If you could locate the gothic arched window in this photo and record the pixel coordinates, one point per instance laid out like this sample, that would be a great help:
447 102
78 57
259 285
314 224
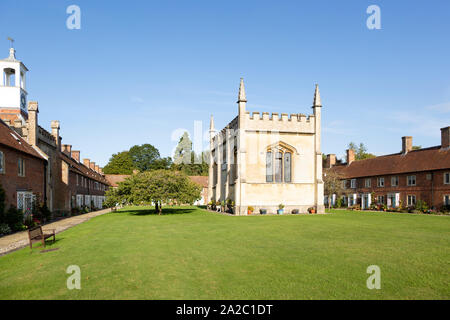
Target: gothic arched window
279 163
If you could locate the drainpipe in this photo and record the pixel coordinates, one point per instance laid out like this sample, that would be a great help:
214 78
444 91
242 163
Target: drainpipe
432 184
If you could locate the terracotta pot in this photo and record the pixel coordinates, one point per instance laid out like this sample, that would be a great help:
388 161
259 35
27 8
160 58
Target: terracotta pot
313 211
249 212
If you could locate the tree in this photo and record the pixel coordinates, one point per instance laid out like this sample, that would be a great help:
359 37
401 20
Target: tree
360 151
161 163
119 163
183 151
416 147
143 156
332 184
156 187
187 161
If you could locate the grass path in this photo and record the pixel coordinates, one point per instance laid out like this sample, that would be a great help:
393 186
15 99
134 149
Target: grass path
193 254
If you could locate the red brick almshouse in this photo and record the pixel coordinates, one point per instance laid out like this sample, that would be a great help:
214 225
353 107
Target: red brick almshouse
399 179
22 170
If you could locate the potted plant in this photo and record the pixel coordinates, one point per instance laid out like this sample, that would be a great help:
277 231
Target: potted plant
295 211
263 211
250 210
229 205
280 208
312 210
218 205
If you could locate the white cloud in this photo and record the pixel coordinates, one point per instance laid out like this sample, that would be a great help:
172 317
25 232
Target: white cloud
422 123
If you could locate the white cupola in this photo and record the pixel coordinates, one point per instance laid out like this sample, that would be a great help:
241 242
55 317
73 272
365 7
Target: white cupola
13 94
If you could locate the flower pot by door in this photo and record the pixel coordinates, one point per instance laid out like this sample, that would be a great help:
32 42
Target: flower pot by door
280 211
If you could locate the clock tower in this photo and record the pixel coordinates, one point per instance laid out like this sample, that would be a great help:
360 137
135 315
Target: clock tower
13 93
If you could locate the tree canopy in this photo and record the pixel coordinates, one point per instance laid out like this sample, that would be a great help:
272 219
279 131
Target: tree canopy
332 184
143 156
187 161
360 151
156 187
139 157
119 163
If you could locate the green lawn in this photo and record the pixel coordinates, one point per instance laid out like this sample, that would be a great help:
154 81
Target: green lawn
189 253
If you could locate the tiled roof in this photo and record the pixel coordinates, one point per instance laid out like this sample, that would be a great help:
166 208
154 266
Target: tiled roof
201 180
115 179
83 170
427 159
12 139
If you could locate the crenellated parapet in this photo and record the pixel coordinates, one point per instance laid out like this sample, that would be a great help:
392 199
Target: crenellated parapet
283 122
46 136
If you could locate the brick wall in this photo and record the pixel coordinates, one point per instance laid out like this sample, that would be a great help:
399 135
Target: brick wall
429 187
10 180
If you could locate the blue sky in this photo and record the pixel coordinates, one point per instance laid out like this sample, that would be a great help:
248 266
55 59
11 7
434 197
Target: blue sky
138 70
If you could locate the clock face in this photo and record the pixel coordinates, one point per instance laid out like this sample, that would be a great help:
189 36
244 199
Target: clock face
23 101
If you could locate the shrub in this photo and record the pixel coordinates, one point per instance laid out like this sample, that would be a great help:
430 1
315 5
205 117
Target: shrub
281 206
251 209
422 206
14 219
338 203
29 222
41 211
4 229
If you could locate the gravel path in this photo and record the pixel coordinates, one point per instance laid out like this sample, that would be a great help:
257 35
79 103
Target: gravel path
19 240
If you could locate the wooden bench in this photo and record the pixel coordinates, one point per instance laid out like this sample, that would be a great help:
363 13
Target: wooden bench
37 235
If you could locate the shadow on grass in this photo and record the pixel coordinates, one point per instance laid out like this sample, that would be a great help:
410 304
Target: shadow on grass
165 211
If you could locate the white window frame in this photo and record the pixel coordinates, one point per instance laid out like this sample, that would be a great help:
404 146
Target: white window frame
408 181
446 201
368 182
22 197
21 167
344 184
396 179
379 180
446 177
353 183
411 196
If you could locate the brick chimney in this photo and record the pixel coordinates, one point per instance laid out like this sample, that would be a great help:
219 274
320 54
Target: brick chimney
33 111
55 133
86 162
406 144
100 170
331 160
97 167
350 156
67 149
92 166
75 155
445 138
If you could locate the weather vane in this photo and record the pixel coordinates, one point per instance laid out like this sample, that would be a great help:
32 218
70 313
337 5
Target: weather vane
12 41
